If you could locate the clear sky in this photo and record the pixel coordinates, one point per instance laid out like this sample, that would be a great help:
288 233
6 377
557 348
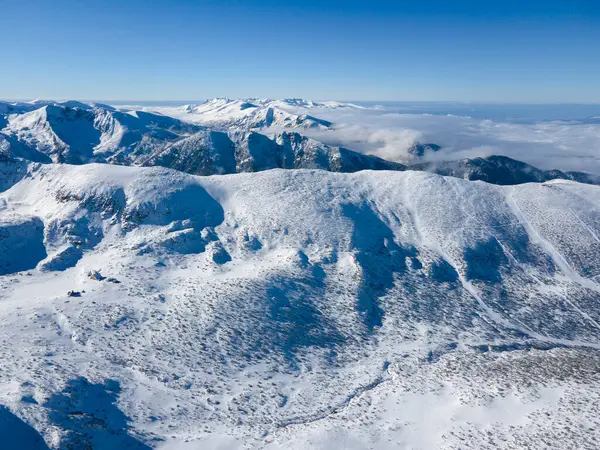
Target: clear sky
495 50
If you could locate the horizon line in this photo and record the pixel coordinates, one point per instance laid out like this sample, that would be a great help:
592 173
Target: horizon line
133 101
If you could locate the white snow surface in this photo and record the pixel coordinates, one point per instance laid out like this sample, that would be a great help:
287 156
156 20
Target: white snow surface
296 309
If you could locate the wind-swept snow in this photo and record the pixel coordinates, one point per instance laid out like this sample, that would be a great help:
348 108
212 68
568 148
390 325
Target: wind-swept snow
297 307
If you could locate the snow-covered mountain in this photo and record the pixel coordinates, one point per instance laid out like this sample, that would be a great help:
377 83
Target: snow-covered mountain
77 135
249 114
502 170
213 152
295 103
296 309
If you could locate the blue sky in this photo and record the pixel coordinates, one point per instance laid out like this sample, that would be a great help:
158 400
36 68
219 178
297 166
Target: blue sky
500 51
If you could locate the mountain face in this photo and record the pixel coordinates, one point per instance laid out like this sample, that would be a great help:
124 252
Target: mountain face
310 154
501 170
59 133
211 152
204 153
149 308
76 135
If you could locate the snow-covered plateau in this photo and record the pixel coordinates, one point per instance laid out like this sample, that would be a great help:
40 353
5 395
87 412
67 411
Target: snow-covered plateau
143 307
212 277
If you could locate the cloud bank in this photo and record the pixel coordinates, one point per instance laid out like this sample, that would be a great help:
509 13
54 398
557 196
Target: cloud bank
565 137
565 145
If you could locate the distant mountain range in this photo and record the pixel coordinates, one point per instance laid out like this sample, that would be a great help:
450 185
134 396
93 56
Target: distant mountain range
501 170
79 133
252 114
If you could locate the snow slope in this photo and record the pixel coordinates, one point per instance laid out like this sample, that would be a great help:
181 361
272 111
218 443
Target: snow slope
78 133
301 309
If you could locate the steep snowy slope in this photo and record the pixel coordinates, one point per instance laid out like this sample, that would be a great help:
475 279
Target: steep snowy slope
203 153
298 309
214 152
78 133
59 134
290 150
5 152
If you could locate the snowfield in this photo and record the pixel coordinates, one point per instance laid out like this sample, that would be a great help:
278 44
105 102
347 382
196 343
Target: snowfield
142 307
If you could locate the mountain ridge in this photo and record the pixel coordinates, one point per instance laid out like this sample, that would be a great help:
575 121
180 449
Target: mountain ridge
78 133
273 305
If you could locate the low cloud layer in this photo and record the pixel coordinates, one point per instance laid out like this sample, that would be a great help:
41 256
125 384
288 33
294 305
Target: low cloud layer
565 137
572 145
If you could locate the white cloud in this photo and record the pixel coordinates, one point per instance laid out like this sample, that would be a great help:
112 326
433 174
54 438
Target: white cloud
548 145
388 133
